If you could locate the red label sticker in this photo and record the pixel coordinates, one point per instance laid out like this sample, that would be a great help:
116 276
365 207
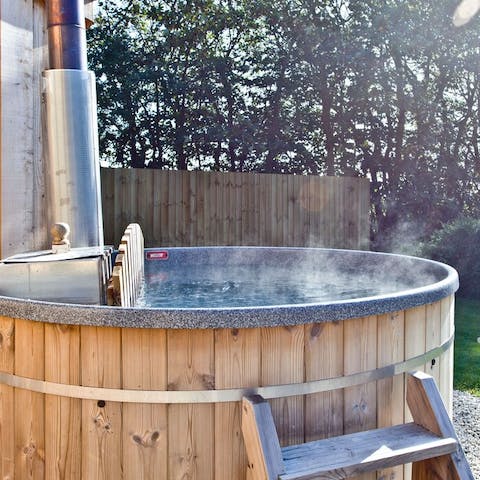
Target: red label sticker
157 255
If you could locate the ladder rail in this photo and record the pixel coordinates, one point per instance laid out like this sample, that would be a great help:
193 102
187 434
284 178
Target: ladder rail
429 442
427 409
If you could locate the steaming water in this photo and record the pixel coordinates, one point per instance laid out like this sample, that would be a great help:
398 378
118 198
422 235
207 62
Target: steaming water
262 285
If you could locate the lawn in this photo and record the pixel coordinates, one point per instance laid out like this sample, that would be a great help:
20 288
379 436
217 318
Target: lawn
467 348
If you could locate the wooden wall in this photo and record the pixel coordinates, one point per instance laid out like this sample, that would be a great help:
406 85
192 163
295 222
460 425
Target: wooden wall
23 57
91 9
177 208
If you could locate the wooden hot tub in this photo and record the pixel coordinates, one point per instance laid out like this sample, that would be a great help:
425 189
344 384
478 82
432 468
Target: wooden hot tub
114 393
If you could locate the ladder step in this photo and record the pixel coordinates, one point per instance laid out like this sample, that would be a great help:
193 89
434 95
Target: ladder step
353 454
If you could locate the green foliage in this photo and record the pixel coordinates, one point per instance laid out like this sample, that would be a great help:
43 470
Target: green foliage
378 88
456 244
467 349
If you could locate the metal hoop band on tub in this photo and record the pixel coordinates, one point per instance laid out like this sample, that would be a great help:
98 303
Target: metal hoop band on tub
220 396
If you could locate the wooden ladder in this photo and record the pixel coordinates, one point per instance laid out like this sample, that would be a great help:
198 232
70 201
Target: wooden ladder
429 442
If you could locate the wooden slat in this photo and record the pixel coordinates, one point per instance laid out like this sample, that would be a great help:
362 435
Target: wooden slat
125 284
299 217
144 426
390 391
315 216
310 201
264 211
283 362
125 201
119 182
415 341
447 327
364 215
261 440
176 180
201 220
248 202
101 421
122 261
354 454
283 203
209 212
63 448
291 204
108 205
351 213
156 202
323 359
340 214
245 211
276 225
116 287
168 209
220 208
130 212
228 197
237 357
7 405
258 231
170 205
251 227
204 204
126 275
225 208
309 231
190 427
360 199
237 210
432 338
134 242
29 406
144 193
192 207
332 212
326 223
360 347
415 322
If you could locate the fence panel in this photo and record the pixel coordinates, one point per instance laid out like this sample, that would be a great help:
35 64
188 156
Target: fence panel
177 208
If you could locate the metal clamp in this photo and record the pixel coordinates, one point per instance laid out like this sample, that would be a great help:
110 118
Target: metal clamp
224 395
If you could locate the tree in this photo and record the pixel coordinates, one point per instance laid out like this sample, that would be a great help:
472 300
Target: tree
379 88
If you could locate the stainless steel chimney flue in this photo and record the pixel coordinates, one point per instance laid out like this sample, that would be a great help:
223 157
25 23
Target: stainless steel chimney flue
67 44
71 117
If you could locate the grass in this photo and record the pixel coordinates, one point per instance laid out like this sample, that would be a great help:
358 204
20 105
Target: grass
467 349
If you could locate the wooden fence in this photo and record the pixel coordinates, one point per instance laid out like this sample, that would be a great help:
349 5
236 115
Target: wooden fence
179 208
